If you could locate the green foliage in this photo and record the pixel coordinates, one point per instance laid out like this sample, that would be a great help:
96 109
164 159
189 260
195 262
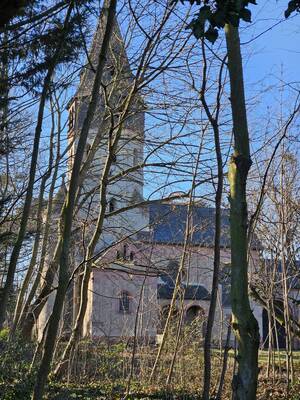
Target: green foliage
293 6
27 48
111 361
4 334
213 15
16 380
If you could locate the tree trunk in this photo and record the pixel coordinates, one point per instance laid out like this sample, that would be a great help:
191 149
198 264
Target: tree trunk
35 250
224 364
67 213
8 287
84 281
213 119
29 312
245 326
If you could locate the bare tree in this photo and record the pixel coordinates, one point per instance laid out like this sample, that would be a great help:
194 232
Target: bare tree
63 245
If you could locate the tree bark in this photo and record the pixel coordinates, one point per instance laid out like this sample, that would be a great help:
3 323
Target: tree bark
224 364
8 287
244 324
34 256
29 312
67 213
213 119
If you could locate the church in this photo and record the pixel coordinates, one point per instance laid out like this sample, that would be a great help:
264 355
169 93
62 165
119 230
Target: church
144 246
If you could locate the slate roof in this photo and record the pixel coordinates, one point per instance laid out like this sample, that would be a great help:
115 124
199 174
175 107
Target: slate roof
168 222
192 292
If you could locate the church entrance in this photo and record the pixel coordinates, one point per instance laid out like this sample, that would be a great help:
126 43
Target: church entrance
195 315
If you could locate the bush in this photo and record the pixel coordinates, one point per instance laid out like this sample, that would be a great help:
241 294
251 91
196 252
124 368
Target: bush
4 335
16 379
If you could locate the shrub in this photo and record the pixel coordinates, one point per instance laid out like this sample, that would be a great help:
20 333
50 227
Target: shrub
16 379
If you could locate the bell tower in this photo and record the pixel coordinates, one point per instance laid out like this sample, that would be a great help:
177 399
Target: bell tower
124 217
126 180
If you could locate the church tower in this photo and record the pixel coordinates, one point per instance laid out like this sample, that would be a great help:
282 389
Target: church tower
126 182
115 292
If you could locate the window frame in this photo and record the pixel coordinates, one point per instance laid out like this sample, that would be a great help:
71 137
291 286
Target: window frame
125 302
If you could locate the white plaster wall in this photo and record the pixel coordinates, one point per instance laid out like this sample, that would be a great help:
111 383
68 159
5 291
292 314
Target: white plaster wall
107 320
199 271
125 191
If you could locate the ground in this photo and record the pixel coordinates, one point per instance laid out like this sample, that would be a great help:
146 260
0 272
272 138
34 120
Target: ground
101 372
184 385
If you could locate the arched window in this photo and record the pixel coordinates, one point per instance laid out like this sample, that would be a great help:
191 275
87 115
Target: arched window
135 157
125 252
72 117
124 302
131 256
112 205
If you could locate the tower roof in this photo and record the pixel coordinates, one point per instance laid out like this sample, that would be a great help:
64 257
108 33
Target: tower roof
117 60
117 78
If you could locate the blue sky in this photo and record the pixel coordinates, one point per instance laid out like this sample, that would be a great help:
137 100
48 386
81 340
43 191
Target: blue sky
274 54
271 57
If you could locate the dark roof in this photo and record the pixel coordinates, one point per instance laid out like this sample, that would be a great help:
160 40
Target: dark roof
168 222
192 292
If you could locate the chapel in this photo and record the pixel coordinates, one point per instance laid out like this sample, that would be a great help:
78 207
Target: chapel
144 247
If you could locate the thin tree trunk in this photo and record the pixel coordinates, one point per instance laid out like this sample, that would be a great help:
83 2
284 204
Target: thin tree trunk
187 236
30 313
67 212
283 250
224 366
76 332
177 339
36 245
8 287
270 341
217 237
4 95
137 315
244 323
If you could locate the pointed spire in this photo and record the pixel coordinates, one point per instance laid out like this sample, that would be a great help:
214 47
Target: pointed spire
117 59
118 78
